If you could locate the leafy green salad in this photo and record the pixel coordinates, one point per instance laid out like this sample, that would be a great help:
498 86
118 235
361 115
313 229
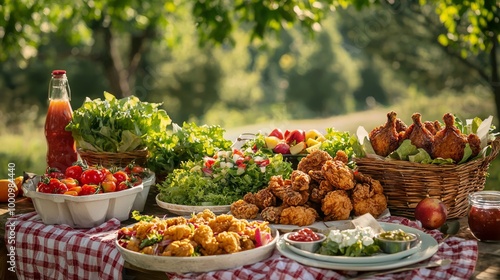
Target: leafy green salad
116 125
223 178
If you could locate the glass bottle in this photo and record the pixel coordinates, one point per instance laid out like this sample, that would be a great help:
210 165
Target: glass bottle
61 148
484 215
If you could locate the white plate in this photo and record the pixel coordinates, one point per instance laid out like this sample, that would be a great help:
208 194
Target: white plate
427 249
199 264
186 210
366 259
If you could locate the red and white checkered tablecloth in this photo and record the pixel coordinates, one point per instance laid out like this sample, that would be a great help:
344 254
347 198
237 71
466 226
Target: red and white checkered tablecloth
61 252
462 252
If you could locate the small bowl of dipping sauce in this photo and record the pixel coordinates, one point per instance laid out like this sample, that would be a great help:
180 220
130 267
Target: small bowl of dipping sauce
305 239
395 241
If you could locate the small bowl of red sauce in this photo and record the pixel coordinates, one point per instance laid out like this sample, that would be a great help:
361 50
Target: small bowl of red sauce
484 215
305 239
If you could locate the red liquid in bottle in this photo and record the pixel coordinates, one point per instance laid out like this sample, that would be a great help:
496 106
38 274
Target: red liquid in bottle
61 148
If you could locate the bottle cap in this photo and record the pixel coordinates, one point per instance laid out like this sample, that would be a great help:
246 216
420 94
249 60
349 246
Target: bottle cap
58 72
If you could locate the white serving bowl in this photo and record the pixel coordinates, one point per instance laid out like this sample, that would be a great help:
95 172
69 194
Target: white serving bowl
201 263
309 246
140 200
81 211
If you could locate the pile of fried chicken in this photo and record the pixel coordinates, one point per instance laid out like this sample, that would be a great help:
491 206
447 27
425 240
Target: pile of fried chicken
322 188
446 142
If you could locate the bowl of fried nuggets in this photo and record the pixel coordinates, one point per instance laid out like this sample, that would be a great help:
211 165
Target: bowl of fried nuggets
200 243
322 188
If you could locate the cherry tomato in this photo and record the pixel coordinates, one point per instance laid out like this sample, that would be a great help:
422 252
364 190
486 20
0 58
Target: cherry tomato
136 180
43 186
105 172
108 186
70 182
120 176
74 171
123 186
73 193
91 176
76 189
138 169
54 173
57 187
89 189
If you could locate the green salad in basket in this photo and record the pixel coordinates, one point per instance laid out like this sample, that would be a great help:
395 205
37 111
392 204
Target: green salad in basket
223 178
116 125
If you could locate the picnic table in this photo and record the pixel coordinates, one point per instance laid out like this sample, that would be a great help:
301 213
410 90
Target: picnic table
60 251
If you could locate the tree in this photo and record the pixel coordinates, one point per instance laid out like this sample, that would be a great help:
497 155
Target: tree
127 28
467 30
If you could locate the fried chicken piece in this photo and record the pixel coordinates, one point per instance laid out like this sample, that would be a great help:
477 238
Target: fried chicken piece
449 142
298 215
179 248
368 196
221 223
203 216
250 198
272 214
244 210
300 181
246 243
338 174
336 206
385 138
316 175
264 198
400 126
238 225
313 161
418 134
204 236
229 242
432 127
176 221
326 187
317 194
474 143
178 232
284 191
341 156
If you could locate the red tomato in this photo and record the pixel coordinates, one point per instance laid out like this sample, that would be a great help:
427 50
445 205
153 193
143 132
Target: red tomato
108 186
57 186
123 186
43 187
137 169
54 173
136 180
74 171
92 177
105 171
120 176
89 189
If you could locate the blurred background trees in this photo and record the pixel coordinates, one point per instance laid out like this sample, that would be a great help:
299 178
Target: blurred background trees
257 61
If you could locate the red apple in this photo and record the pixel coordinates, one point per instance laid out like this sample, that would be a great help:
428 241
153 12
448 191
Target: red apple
295 136
282 148
277 133
431 212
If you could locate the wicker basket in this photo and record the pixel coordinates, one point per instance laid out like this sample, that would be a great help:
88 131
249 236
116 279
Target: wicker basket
406 183
109 159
